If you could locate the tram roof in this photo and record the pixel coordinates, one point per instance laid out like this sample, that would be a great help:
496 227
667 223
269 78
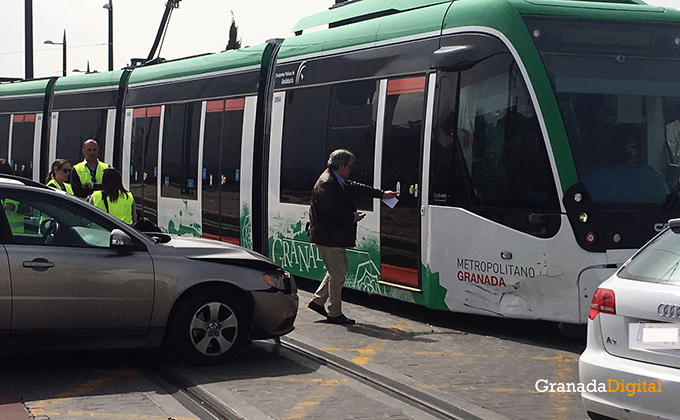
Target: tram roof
357 11
30 87
211 63
89 81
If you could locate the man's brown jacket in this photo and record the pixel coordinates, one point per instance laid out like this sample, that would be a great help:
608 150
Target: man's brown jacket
331 214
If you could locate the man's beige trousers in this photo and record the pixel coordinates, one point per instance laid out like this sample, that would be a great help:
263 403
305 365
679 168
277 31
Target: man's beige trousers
330 289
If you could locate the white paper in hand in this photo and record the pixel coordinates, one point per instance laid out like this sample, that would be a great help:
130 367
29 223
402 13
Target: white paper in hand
391 202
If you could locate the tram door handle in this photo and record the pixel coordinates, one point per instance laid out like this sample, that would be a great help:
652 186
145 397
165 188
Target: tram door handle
413 190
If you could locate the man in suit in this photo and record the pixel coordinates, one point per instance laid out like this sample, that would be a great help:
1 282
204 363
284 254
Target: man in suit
333 228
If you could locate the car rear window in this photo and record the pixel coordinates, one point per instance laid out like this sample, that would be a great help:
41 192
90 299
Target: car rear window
658 262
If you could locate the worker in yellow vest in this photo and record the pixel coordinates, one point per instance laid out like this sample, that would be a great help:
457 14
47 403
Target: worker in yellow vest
114 199
86 176
14 216
61 169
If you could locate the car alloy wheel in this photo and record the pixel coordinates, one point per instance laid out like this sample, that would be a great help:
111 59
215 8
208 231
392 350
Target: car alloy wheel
208 327
213 329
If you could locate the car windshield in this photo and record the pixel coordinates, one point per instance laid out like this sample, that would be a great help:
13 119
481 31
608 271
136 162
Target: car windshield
658 262
617 86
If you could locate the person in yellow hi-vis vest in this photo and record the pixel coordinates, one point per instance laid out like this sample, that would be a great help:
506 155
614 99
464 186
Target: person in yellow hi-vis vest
86 176
58 176
114 199
14 217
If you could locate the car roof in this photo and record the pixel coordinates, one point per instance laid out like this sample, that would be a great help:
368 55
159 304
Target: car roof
17 180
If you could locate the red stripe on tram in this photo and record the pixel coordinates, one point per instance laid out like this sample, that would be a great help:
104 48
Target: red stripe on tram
214 106
227 239
154 111
235 104
410 85
401 275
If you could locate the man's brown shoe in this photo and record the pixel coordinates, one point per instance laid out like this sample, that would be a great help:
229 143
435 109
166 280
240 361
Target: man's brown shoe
340 319
317 308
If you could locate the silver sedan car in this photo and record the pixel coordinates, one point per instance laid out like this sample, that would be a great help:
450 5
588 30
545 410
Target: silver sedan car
72 276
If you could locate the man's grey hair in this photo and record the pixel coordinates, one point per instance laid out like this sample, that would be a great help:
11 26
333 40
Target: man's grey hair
339 157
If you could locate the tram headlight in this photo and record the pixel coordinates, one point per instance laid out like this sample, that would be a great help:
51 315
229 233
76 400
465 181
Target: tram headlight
583 217
591 238
578 197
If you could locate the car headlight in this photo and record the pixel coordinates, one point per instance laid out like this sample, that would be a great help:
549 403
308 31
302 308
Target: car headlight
277 279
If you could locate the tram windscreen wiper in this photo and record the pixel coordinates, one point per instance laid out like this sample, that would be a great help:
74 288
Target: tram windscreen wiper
672 200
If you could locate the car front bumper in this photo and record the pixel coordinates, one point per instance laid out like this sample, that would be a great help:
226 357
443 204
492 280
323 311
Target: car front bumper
274 314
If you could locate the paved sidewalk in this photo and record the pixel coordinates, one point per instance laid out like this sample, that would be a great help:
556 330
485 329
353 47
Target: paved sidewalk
456 362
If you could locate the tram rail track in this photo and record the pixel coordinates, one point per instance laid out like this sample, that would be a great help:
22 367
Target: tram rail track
200 402
208 407
407 394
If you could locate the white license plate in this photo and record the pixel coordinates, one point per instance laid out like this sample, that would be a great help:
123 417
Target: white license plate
654 335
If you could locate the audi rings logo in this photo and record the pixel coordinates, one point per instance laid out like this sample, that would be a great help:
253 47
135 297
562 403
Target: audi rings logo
668 311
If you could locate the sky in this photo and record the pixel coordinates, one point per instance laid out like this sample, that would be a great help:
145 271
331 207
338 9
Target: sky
198 26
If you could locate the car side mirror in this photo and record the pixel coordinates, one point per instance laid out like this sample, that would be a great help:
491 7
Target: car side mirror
120 241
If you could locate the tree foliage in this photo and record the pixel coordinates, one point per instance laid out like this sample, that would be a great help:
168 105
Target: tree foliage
234 42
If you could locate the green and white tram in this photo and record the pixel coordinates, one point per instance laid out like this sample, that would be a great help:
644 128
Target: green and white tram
535 143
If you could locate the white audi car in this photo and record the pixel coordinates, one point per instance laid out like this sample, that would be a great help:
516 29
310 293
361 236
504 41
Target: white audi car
631 366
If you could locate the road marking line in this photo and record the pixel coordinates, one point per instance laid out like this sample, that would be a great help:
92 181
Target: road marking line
559 357
115 416
476 388
93 384
314 399
560 401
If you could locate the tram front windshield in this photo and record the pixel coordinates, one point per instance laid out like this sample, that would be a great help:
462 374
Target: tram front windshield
617 86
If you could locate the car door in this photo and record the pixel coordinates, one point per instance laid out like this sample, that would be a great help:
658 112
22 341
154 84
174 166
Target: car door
66 280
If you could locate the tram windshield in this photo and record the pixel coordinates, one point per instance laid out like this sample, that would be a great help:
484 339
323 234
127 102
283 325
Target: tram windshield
618 89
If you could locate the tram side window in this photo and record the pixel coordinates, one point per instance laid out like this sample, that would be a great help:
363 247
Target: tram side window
74 127
4 136
180 151
144 159
500 164
320 120
23 135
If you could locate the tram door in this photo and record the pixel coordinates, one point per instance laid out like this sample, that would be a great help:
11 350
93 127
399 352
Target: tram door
144 160
222 169
401 157
4 136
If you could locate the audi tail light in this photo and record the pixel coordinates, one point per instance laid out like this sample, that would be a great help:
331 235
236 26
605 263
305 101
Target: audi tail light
604 301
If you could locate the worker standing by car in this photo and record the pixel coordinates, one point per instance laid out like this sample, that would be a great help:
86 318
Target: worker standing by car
59 174
114 199
87 175
14 217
